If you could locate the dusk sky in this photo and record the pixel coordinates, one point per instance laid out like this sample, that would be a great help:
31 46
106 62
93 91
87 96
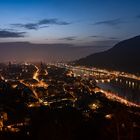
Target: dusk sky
80 22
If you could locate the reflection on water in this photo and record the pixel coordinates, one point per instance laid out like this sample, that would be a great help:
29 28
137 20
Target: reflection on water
127 93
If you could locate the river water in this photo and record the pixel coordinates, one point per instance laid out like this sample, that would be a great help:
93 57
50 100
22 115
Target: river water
132 95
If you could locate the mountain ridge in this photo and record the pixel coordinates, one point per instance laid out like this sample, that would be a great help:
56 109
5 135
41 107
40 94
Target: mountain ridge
124 56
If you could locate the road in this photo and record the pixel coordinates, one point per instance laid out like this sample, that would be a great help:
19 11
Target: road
114 97
109 95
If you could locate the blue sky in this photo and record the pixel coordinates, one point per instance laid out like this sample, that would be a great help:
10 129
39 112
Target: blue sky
80 22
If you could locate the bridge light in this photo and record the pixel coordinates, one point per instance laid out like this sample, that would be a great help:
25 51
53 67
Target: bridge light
103 81
133 83
97 81
108 80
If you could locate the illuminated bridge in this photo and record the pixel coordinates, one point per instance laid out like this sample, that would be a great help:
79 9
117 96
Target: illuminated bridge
104 76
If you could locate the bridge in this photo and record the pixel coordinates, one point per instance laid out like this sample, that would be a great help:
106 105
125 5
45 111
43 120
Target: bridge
104 76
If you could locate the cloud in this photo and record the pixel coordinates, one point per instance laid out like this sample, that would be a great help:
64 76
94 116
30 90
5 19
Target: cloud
43 27
98 36
95 36
113 22
41 24
52 21
11 34
70 38
113 38
29 26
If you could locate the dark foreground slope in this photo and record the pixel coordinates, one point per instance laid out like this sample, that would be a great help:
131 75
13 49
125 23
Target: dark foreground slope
124 56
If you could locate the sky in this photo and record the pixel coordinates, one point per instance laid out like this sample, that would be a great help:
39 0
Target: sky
80 22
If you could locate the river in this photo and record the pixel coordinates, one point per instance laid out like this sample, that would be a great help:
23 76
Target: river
132 95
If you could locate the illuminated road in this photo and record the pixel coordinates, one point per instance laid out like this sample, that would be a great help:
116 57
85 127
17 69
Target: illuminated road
115 74
36 74
114 97
38 84
109 95
28 85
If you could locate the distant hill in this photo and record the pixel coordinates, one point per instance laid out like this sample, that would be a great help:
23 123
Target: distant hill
26 51
124 56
